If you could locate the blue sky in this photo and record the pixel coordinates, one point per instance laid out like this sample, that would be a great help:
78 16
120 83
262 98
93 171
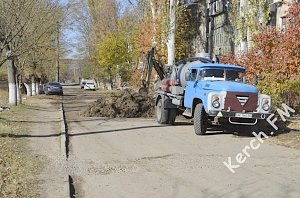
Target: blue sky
71 35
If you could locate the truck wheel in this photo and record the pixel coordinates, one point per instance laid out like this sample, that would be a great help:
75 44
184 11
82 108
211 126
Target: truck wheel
162 114
200 124
172 116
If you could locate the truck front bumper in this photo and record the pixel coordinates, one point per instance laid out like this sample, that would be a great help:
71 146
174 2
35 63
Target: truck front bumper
233 114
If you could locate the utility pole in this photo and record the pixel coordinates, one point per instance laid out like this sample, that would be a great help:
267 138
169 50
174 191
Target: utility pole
58 55
207 30
211 36
171 34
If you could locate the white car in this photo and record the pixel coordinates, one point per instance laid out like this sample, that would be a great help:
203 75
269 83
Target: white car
90 86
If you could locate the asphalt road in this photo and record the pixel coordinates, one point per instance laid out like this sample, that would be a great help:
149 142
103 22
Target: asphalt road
140 158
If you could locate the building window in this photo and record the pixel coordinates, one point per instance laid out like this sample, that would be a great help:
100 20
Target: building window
283 23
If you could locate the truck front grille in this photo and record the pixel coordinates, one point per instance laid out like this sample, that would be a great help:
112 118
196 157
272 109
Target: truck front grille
241 102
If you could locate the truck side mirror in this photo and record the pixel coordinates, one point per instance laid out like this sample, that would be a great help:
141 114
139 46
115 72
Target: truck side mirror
255 80
187 76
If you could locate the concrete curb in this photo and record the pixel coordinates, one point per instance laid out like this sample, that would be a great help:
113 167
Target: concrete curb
63 152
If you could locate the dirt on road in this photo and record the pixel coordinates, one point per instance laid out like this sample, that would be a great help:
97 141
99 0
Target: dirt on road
123 104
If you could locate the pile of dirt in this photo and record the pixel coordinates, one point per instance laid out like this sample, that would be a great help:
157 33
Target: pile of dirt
124 104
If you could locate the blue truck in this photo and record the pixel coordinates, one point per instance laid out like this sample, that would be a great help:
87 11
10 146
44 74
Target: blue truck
210 93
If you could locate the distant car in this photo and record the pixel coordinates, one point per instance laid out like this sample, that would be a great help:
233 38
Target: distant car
90 86
54 88
82 83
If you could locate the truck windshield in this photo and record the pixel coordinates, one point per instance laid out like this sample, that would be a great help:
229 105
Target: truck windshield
222 74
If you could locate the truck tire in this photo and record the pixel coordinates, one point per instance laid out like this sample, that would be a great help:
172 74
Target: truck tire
172 116
200 125
162 114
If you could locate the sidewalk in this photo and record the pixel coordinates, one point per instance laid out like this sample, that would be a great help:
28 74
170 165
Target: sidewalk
45 141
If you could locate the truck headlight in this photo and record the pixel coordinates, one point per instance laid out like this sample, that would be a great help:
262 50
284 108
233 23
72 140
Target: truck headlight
265 104
215 102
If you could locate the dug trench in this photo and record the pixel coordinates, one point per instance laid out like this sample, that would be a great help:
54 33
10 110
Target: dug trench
66 139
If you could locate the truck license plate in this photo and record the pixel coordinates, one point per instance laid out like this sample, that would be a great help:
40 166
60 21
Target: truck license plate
243 115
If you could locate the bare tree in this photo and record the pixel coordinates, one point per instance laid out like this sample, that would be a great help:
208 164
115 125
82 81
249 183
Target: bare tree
24 24
80 20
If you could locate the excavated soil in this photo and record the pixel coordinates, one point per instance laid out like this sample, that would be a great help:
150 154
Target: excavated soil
123 104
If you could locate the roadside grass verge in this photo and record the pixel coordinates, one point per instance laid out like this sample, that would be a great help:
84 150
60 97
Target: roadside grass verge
18 167
3 95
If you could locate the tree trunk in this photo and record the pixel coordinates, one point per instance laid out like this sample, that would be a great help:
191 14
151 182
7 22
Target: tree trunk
19 89
28 89
153 9
37 88
109 86
171 36
12 85
243 46
33 87
19 94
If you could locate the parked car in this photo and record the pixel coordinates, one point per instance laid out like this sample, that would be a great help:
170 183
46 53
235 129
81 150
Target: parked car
90 85
54 88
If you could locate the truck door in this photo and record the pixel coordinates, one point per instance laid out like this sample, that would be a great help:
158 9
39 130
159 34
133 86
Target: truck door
190 91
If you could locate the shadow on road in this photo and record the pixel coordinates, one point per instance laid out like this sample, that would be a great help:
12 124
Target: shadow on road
42 122
238 131
115 130
79 133
42 109
211 132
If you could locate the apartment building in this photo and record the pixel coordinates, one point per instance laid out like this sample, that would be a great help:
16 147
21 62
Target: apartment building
220 36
